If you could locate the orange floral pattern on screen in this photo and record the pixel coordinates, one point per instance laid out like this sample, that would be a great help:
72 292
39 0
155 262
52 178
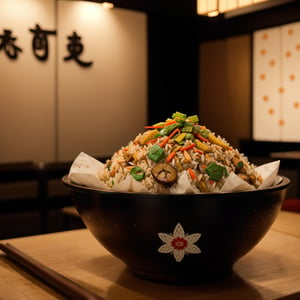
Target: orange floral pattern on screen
272 63
288 54
265 36
298 47
265 98
281 90
263 52
290 31
262 76
296 104
292 77
271 111
281 122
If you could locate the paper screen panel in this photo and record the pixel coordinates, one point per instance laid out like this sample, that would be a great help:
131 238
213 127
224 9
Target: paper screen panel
276 88
291 82
266 70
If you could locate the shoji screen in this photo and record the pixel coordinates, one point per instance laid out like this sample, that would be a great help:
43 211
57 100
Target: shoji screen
276 84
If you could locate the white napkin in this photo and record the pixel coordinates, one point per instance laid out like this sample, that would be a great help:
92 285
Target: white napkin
84 171
129 184
183 185
234 183
267 171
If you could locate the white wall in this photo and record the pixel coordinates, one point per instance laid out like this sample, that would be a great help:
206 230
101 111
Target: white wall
27 85
53 110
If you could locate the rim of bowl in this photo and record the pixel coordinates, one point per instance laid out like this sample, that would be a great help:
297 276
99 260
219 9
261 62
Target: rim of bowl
283 182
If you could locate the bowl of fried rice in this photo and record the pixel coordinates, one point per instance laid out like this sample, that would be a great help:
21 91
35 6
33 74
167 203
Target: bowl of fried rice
177 204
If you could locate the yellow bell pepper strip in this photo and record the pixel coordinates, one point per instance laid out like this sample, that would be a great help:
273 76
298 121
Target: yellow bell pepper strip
177 148
215 140
156 153
149 135
180 137
137 173
202 146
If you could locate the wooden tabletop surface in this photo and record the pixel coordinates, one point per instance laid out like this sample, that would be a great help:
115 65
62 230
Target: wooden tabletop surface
293 155
270 271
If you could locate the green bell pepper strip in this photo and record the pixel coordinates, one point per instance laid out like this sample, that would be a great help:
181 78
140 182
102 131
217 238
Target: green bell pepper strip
137 173
156 153
215 171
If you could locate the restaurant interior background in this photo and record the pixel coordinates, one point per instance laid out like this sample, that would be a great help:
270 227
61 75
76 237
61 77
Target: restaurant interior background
138 63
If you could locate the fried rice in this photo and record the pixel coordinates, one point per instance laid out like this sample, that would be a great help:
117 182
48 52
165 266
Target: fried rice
164 152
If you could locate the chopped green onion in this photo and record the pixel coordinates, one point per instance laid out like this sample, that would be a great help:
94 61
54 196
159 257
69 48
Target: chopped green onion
204 133
187 129
179 115
189 136
168 129
193 118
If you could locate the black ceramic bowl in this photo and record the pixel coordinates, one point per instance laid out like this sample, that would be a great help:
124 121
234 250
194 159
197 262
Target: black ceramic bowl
178 238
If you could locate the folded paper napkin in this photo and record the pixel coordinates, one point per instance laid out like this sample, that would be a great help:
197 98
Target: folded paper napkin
85 169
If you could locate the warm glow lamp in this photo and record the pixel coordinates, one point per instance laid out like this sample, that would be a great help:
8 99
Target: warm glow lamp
230 8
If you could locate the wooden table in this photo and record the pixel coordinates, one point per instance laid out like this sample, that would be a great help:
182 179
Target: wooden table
270 271
291 155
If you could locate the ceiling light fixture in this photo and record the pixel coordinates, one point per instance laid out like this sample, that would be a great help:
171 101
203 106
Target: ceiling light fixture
231 8
107 5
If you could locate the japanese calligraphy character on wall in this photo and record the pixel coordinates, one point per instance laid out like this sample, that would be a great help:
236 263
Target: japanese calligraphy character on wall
7 43
40 42
75 48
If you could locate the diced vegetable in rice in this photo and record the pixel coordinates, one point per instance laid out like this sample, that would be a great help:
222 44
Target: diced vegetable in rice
160 155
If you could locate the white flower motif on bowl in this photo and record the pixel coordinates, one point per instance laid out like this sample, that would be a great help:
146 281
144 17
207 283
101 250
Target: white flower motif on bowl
179 243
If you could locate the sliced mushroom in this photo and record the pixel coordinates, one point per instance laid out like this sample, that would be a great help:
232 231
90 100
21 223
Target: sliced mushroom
164 174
